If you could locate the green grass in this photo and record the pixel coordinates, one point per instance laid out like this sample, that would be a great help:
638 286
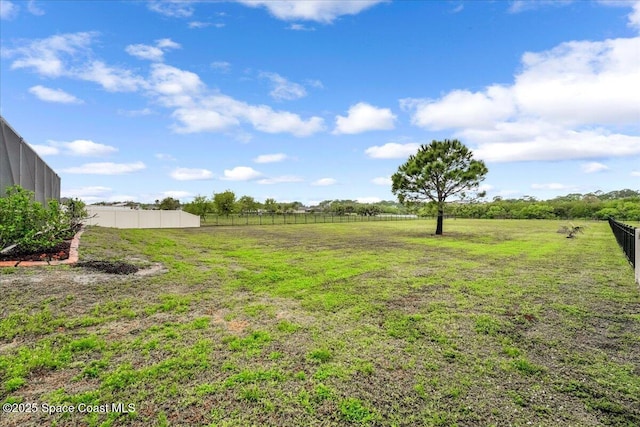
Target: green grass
375 323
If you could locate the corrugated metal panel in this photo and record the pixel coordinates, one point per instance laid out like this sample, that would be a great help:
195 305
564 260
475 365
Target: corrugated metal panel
21 165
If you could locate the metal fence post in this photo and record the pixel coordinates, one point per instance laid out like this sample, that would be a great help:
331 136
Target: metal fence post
638 255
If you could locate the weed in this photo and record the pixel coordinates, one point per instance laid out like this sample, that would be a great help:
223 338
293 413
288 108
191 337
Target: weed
321 355
354 410
526 367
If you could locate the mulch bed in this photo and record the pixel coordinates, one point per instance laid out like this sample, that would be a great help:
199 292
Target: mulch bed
59 252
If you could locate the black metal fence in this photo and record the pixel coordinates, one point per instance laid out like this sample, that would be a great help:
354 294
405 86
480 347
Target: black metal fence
626 237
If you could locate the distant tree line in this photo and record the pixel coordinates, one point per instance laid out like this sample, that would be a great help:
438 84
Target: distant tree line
226 203
623 205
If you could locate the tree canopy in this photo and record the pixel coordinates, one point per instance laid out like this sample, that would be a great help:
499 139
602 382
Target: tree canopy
225 202
437 172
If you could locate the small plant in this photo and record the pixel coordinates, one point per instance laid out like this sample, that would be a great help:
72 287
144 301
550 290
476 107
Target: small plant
354 410
320 355
27 225
571 230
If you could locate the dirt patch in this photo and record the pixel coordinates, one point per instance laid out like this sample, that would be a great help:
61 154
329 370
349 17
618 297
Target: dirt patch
110 267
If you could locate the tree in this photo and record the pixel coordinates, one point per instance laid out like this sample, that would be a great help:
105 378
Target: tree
224 203
247 204
437 172
169 204
200 206
270 205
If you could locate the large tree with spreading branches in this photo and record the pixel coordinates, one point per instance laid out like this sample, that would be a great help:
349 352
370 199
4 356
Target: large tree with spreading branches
437 172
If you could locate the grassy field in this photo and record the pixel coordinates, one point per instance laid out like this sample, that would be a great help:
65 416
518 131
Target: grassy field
495 323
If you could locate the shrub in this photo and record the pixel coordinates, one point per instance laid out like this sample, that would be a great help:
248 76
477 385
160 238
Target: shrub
30 226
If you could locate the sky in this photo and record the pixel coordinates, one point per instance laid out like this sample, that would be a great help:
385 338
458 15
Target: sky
317 100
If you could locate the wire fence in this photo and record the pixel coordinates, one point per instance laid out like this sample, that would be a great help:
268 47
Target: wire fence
626 237
297 218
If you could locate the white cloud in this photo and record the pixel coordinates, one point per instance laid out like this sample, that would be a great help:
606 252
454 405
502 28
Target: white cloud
175 87
323 182
79 147
136 113
222 66
461 108
70 55
143 51
47 56
300 27
392 150
270 158
564 104
45 150
283 89
112 79
106 168
593 167
167 44
485 187
33 9
518 6
172 8
54 95
86 192
314 83
634 16
552 186
241 173
8 10
363 117
368 199
177 194
165 157
635 173
85 148
152 53
196 108
186 174
225 111
553 143
382 180
312 10
196 120
199 24
281 179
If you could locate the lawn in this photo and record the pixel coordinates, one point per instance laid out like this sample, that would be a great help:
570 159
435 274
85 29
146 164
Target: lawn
494 323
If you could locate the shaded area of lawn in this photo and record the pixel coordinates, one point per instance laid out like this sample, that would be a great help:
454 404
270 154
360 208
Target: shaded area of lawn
495 323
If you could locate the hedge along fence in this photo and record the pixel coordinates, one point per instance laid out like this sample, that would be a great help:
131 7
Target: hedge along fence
298 218
628 238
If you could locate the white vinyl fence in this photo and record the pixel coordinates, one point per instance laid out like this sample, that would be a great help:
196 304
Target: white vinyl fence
108 216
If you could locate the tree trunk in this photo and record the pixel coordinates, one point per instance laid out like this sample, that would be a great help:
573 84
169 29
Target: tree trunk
440 219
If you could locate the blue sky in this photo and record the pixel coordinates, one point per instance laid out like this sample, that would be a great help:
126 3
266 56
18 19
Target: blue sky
316 100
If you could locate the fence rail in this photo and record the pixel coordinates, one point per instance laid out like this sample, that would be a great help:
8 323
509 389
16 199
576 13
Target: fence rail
297 218
626 237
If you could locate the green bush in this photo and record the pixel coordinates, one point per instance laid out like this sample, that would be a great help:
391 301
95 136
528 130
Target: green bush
32 226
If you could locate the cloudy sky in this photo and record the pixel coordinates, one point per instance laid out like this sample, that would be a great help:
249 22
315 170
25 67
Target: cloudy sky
315 100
